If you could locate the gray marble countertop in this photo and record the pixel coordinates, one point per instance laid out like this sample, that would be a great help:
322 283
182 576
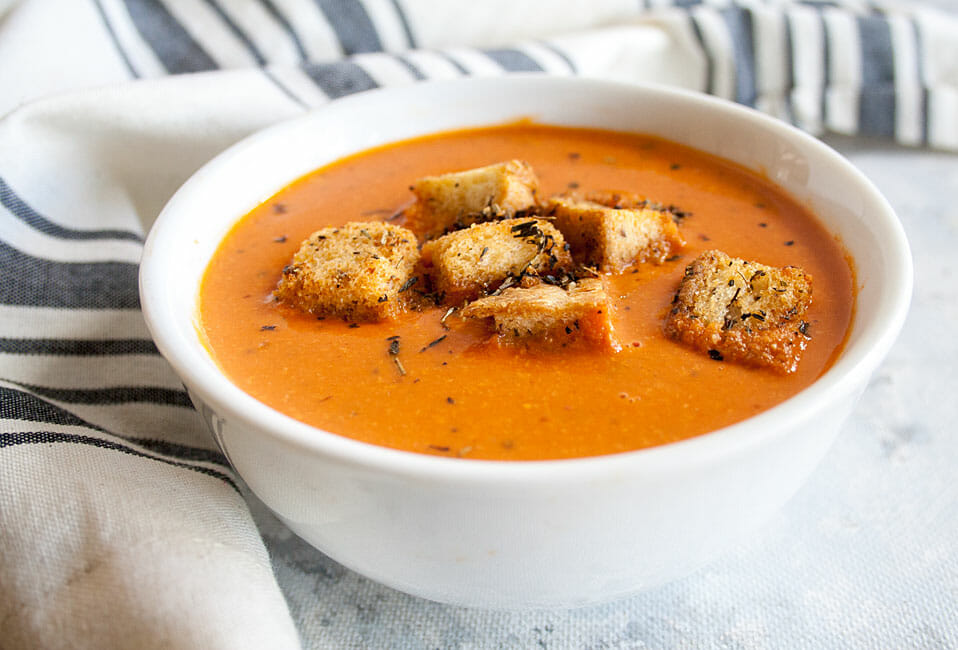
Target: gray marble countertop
864 556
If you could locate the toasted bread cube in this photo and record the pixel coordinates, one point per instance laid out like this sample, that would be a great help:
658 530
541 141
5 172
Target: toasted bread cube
549 314
453 201
468 263
742 311
357 271
617 232
612 199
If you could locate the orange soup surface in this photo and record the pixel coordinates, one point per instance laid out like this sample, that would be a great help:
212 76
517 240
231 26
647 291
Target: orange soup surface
465 397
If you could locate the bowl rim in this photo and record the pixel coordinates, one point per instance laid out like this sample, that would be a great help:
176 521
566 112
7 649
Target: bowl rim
849 371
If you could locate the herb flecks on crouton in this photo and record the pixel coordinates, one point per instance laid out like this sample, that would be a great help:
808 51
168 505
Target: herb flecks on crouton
358 272
468 263
548 314
612 230
742 311
630 201
452 201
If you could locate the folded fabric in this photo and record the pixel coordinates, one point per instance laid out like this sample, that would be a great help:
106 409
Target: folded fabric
852 67
121 524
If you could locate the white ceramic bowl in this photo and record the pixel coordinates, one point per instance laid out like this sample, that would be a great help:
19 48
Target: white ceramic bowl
524 534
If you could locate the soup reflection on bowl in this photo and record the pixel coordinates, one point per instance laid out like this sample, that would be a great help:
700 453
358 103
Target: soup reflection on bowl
428 452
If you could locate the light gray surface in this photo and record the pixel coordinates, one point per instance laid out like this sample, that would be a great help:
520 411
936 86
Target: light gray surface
865 555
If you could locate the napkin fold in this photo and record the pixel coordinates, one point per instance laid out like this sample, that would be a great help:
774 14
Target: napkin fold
121 524
848 66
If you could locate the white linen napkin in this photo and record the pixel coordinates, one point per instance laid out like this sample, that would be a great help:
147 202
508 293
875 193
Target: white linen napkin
121 525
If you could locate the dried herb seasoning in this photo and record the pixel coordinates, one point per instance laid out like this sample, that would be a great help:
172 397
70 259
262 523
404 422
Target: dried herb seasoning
409 283
449 312
433 344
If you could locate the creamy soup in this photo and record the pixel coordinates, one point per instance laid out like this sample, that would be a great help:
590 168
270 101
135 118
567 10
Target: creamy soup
445 389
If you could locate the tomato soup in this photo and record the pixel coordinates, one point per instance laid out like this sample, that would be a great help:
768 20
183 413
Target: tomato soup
445 390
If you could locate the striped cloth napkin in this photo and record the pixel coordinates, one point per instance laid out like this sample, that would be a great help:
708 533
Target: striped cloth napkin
121 524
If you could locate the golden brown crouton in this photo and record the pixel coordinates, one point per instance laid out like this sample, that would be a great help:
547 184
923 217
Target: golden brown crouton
742 311
467 263
357 271
613 230
549 314
452 201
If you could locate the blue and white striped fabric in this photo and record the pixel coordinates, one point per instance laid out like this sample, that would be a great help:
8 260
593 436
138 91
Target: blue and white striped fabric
851 66
120 523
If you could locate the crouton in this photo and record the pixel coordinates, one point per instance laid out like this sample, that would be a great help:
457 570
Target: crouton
468 263
742 311
453 201
549 314
358 272
611 231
